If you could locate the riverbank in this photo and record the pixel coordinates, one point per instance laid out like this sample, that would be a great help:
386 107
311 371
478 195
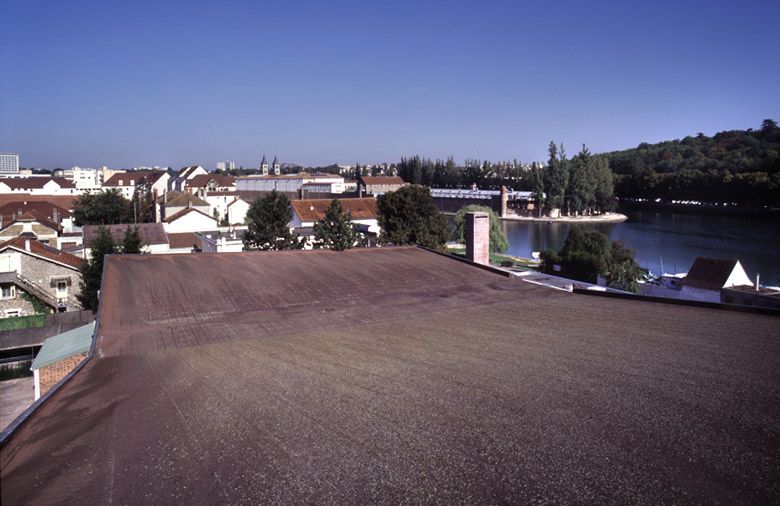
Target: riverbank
634 205
599 218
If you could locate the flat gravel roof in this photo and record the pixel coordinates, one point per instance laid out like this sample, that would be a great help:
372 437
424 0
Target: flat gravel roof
396 375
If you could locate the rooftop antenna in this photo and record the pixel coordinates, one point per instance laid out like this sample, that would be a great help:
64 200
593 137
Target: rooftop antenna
662 264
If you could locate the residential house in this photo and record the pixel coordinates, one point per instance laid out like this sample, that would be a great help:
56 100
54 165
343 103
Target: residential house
174 202
53 212
379 185
202 184
127 182
236 211
51 275
308 212
34 225
36 185
189 220
179 181
153 237
62 201
219 201
707 276
60 355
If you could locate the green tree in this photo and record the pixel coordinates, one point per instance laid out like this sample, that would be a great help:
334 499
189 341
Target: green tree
143 202
102 208
557 176
335 230
498 243
131 243
622 270
409 216
92 269
604 197
268 224
537 178
583 183
587 253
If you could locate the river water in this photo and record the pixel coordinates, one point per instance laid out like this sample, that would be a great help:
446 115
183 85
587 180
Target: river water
672 239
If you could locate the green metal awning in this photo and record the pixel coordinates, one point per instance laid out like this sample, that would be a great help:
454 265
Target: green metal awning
64 345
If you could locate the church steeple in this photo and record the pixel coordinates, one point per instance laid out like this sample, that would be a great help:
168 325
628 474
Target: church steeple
264 167
276 167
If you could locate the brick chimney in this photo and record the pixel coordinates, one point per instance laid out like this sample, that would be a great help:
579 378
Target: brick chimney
477 234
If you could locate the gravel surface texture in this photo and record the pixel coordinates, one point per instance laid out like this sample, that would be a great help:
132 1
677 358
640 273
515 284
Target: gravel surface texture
399 376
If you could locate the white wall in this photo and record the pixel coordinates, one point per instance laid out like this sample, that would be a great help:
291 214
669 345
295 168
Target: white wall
191 222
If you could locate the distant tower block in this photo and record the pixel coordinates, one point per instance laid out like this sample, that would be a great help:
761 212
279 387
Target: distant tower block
264 167
477 233
276 167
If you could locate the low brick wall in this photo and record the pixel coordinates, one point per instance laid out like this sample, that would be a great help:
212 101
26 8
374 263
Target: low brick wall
52 373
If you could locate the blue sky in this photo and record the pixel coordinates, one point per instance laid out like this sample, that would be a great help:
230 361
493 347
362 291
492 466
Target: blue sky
177 83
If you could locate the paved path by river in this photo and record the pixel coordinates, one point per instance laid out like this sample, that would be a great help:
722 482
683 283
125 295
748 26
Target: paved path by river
599 218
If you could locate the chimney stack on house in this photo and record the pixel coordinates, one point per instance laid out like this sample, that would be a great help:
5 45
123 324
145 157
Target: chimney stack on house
477 233
27 244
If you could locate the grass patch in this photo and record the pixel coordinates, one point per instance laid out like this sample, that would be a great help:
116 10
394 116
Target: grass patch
23 322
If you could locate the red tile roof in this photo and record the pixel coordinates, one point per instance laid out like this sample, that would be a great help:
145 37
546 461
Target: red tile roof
62 201
41 250
33 215
182 199
183 240
709 273
35 183
149 233
124 178
184 212
315 209
44 208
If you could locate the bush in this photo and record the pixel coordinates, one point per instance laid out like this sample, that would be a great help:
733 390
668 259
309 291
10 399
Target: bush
498 243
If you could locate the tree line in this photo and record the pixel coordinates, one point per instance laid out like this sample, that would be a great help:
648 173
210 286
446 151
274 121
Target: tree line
581 185
737 167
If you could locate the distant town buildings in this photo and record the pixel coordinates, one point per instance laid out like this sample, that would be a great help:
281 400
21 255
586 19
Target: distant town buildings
9 163
226 165
379 185
290 182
